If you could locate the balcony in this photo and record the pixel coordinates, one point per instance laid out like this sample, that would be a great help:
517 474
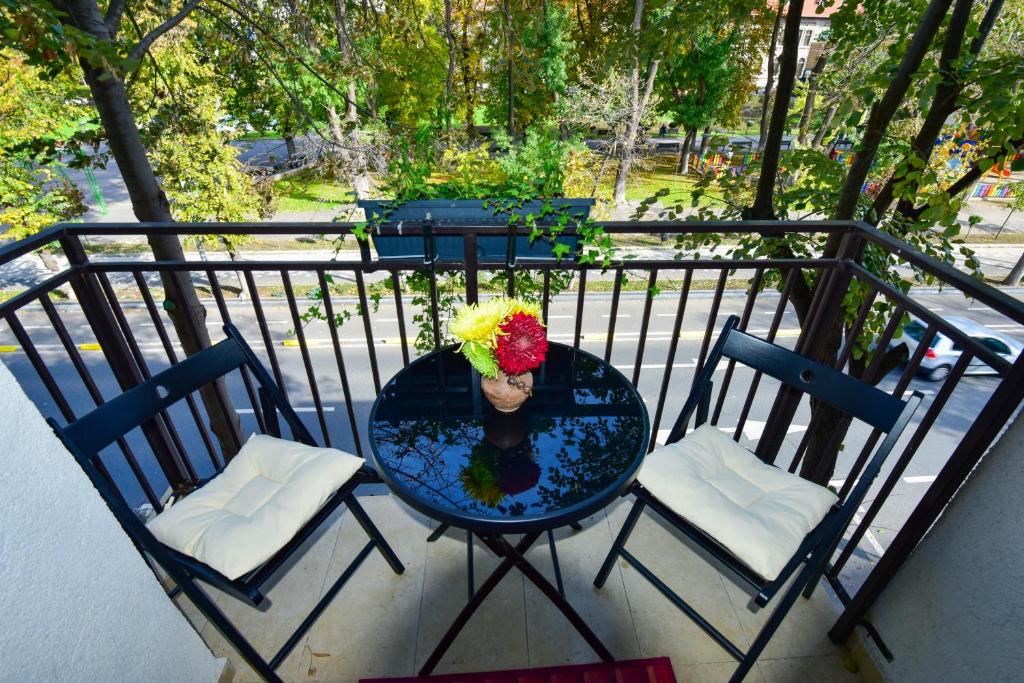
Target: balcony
81 335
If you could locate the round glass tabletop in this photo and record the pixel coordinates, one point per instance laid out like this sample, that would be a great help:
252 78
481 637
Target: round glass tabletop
573 447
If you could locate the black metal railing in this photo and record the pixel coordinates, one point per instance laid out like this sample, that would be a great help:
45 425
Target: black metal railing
68 375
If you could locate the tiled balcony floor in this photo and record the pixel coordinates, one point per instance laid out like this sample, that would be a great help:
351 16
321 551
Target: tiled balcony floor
382 624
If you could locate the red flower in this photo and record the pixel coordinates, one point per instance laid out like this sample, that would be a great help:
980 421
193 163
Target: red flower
522 344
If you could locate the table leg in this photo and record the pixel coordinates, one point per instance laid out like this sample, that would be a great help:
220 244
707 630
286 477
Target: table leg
437 533
485 589
554 562
515 554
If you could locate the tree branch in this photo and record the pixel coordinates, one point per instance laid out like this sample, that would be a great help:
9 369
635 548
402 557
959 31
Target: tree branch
142 46
944 100
113 16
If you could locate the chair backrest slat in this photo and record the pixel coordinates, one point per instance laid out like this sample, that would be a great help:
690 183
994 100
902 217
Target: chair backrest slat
850 395
98 429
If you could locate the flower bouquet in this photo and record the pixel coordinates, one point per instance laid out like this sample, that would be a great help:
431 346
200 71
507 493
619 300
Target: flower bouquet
503 339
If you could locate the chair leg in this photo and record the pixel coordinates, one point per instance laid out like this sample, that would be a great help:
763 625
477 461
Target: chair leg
374 533
822 567
766 633
620 541
209 609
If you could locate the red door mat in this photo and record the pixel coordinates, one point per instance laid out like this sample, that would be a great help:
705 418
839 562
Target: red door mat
658 670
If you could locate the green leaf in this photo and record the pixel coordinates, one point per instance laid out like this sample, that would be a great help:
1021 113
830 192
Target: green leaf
481 358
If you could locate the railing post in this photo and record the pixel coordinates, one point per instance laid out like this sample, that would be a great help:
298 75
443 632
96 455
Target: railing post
472 265
812 342
983 431
114 346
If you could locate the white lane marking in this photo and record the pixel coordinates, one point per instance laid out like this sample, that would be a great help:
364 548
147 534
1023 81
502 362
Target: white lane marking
158 346
304 409
978 308
560 317
386 320
653 366
754 429
870 537
38 327
1005 326
920 480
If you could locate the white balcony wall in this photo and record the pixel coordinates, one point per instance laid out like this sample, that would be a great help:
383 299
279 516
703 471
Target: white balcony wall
955 611
78 602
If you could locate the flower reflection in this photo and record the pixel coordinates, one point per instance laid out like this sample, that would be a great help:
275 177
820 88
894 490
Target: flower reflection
503 464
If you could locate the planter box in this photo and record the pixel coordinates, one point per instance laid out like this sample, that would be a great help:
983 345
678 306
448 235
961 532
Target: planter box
450 247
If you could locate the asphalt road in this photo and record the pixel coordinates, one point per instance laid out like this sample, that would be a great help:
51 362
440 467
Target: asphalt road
964 406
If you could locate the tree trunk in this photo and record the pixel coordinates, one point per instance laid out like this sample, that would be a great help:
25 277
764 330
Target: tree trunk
827 430
345 53
884 109
334 123
150 204
764 208
944 103
235 254
766 104
826 124
449 84
467 79
637 104
705 142
812 91
289 145
511 71
1016 273
686 150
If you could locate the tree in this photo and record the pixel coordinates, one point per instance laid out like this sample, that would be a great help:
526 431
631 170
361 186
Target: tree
770 70
907 69
639 93
762 208
54 36
1016 273
695 83
34 191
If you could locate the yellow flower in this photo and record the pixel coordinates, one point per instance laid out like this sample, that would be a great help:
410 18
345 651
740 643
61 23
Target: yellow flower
479 323
519 305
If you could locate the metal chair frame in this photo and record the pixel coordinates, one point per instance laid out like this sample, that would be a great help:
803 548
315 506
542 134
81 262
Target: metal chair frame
884 412
93 432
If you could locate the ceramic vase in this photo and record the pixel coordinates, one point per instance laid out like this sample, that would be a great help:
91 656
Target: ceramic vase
507 393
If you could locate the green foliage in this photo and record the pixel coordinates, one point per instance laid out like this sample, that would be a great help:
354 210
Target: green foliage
37 124
34 199
411 84
541 58
697 77
201 175
481 358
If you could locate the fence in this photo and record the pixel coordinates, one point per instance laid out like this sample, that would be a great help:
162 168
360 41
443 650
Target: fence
73 355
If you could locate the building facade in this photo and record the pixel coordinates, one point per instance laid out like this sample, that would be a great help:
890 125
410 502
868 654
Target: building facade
813 32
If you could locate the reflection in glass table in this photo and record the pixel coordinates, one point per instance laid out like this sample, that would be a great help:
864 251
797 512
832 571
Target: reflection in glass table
569 451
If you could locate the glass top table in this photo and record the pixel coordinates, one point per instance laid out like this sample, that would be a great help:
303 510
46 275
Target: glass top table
569 451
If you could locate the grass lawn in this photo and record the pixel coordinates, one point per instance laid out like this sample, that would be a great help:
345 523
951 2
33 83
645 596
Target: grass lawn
304 192
653 175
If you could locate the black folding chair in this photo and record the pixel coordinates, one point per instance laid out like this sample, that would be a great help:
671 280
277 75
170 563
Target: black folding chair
90 434
857 399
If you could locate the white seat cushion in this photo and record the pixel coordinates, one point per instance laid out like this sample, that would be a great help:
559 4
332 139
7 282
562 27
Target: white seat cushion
758 512
269 490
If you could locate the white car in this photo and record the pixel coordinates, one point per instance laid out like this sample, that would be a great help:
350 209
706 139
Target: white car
943 352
